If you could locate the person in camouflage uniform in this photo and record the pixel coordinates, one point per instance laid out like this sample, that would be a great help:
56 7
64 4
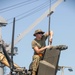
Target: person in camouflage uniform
39 46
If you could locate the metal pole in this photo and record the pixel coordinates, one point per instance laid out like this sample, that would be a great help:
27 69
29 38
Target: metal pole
49 15
49 22
49 30
12 47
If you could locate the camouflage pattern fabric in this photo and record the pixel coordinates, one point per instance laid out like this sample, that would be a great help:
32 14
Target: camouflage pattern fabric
35 62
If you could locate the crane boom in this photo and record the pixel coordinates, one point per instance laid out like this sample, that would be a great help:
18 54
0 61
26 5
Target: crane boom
37 21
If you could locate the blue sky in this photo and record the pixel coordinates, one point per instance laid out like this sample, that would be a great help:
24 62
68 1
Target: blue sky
62 23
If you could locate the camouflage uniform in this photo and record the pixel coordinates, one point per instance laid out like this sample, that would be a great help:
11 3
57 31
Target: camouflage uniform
36 58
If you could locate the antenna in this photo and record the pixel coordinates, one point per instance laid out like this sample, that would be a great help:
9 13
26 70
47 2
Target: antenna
12 47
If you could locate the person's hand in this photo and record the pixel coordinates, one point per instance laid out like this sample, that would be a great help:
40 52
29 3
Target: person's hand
48 46
50 41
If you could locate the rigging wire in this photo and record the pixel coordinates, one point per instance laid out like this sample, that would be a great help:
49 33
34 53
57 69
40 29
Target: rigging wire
34 10
38 9
28 11
14 5
39 6
3 10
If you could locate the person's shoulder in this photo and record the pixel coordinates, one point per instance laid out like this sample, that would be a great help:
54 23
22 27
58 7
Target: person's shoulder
33 40
33 43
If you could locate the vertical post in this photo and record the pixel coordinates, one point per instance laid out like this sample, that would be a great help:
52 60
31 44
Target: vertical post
12 47
49 30
62 73
49 22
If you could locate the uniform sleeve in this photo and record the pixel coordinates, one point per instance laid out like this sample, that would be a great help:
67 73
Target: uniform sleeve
33 44
45 36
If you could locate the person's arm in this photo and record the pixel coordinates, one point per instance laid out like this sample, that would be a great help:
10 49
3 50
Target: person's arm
37 50
51 36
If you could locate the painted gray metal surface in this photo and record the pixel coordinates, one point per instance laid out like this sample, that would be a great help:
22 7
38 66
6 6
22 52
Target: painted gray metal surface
49 65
